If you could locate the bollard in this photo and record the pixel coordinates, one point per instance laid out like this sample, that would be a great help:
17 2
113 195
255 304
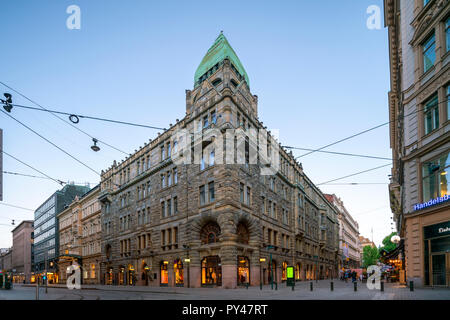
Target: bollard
411 286
246 285
382 286
355 286
311 286
292 287
331 286
260 285
276 285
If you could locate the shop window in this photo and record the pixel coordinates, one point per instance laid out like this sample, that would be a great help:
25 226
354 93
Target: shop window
211 271
164 279
283 271
297 271
178 271
243 271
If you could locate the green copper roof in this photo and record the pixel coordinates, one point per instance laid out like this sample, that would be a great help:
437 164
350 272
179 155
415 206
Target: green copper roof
220 50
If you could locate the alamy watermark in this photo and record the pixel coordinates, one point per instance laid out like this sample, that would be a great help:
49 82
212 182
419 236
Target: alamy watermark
74 278
74 20
374 20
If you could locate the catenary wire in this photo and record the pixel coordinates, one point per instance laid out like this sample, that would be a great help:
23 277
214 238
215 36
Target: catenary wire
54 114
31 167
53 144
32 176
364 131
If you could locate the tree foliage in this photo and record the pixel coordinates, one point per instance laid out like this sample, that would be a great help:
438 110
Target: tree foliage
370 256
387 244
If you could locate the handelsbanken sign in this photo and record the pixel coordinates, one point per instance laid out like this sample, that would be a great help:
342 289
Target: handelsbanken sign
431 203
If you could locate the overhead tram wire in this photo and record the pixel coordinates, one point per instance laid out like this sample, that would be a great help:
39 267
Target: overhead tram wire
354 174
364 131
89 117
32 176
55 115
340 153
31 167
14 206
53 144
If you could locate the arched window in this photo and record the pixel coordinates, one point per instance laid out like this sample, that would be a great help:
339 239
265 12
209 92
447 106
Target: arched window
234 83
210 233
243 235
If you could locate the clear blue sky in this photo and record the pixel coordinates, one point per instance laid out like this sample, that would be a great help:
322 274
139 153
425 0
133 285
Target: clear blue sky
319 72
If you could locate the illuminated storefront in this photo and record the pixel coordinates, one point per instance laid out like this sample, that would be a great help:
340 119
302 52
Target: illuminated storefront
211 271
297 271
164 280
121 276
243 277
178 271
283 271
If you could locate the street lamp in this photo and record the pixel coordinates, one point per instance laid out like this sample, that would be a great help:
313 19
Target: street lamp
261 280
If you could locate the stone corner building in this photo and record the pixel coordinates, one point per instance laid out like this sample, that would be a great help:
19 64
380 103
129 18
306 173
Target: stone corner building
211 224
419 114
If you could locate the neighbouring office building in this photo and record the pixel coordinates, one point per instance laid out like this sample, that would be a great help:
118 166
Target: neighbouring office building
172 216
46 230
22 255
419 111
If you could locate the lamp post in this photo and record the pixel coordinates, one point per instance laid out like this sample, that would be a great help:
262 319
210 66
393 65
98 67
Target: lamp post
261 280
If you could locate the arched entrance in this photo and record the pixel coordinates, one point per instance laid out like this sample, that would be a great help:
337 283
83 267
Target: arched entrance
243 272
211 271
178 271
164 274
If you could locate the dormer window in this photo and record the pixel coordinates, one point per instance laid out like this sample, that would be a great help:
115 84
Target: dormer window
234 83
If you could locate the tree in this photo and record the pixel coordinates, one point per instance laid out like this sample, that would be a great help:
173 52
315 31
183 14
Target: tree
370 256
387 244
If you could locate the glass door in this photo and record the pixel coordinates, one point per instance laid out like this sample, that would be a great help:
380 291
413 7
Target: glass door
439 269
